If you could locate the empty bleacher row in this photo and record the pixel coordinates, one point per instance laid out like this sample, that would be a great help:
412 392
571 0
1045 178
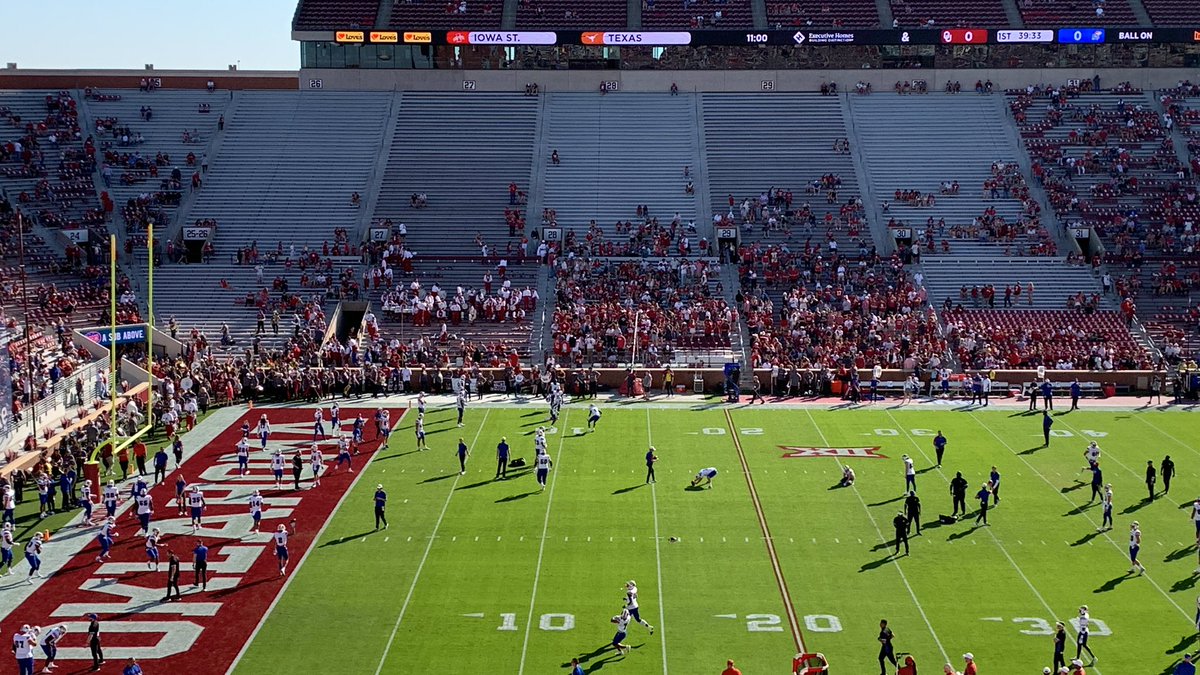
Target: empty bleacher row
281 180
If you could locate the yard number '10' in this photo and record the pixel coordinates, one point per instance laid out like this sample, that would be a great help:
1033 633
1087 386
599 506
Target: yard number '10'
554 622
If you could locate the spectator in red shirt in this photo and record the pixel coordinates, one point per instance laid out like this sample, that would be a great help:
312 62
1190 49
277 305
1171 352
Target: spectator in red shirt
730 669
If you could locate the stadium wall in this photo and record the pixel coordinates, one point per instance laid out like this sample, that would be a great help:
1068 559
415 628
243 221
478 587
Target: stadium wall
717 80
15 78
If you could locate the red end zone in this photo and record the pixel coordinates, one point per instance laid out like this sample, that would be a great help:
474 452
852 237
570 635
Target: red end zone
205 630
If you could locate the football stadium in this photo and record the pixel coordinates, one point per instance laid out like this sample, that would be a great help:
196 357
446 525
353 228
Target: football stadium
899 298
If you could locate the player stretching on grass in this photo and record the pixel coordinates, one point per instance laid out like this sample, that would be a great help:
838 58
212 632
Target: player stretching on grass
593 417
705 475
631 604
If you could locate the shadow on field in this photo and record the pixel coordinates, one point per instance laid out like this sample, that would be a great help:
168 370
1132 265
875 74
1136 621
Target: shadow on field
631 488
693 488
1179 554
1187 583
1113 583
1071 488
597 665
1078 509
964 533
347 539
437 478
875 564
1032 450
1087 538
1183 644
890 501
517 497
1134 508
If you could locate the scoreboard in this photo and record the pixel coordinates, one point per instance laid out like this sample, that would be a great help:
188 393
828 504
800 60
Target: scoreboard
773 38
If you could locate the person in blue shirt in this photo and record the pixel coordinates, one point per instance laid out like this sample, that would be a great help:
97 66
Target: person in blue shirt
200 565
160 465
1075 392
982 496
1047 395
66 484
463 453
1097 482
939 446
1185 667
380 505
1047 422
995 478
132 668
577 669
502 458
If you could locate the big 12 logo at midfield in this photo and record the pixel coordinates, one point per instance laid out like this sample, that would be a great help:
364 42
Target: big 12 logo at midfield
795 452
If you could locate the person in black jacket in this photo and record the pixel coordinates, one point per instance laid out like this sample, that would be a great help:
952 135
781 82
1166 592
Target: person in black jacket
912 511
886 650
958 493
901 525
1151 478
1060 643
173 577
94 641
1166 471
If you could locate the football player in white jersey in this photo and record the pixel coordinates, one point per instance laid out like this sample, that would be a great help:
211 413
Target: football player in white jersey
196 504
277 463
335 418
152 549
6 548
145 509
593 417
1081 638
1106 502
319 424
264 430
622 621
256 507
631 604
111 495
23 643
1135 545
108 531
542 464
281 549
33 556
316 459
86 503
343 455
420 431
50 645
539 441
243 457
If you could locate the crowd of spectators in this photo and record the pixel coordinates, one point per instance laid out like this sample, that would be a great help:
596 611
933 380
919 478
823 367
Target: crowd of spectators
643 236
601 306
814 308
1027 340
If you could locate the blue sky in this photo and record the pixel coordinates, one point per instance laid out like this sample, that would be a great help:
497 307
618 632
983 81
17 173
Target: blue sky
171 34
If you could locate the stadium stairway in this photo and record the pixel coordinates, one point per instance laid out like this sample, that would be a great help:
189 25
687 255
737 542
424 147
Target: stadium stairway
282 177
174 111
754 142
618 151
916 142
462 151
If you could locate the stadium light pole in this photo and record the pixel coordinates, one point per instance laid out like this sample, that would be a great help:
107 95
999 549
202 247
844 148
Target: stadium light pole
25 332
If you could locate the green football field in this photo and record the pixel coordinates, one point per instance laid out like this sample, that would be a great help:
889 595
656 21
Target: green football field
483 576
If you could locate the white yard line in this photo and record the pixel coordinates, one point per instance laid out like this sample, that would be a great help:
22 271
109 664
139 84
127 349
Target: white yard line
537 574
1086 516
311 547
425 556
903 577
1162 432
1011 561
657 558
